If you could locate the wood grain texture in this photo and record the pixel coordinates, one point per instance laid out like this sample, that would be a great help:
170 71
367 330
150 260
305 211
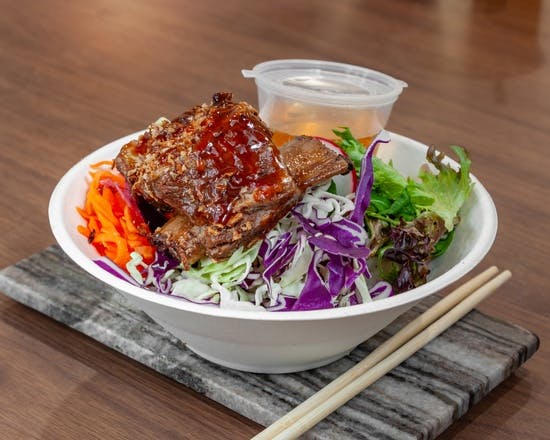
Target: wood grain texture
75 75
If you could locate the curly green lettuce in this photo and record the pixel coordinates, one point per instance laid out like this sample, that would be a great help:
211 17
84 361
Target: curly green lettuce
411 221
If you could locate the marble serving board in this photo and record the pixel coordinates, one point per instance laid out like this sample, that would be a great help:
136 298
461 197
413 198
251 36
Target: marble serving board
417 400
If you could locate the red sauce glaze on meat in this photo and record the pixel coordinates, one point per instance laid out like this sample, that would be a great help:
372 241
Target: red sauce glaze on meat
233 151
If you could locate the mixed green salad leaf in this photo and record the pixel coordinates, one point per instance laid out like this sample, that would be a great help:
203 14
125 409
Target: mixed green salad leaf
411 221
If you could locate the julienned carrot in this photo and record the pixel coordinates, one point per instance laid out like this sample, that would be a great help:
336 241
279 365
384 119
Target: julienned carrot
115 228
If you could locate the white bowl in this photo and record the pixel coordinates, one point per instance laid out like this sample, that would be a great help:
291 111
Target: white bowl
277 342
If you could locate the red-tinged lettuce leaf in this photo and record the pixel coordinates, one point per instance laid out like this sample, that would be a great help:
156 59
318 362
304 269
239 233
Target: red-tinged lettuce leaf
412 246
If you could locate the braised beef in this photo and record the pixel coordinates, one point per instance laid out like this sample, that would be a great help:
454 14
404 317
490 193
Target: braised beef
216 175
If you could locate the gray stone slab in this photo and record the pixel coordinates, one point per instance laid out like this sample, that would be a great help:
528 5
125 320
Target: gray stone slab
417 400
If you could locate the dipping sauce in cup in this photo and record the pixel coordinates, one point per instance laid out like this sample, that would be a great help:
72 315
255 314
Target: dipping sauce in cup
311 97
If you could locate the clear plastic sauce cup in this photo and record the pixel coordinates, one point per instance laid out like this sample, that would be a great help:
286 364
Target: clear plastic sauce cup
313 97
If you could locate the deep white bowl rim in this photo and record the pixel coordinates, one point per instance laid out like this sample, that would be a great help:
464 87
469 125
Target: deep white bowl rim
55 213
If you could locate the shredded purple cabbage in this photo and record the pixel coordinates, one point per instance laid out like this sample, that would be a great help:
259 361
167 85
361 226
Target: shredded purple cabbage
366 179
382 289
342 237
315 294
342 249
156 272
284 304
276 257
109 266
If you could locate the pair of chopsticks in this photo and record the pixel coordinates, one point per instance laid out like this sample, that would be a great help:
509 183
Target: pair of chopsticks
387 356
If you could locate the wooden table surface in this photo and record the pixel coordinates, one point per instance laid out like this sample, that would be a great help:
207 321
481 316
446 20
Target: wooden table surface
75 75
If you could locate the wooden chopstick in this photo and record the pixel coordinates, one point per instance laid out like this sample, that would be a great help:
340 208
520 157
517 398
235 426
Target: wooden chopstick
391 353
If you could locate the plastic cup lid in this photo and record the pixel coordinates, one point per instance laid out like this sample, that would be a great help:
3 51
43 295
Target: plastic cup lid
326 82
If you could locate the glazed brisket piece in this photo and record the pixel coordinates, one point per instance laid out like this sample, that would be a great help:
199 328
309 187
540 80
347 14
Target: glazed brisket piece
310 163
219 179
